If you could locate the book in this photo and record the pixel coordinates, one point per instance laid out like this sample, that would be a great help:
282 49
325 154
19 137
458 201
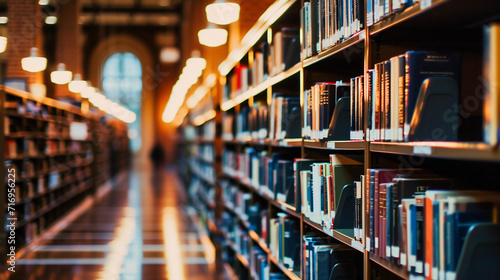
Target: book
421 65
491 68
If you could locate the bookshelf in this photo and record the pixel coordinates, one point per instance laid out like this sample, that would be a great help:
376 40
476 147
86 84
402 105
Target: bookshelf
433 25
60 156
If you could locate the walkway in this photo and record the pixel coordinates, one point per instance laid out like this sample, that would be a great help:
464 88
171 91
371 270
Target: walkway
139 230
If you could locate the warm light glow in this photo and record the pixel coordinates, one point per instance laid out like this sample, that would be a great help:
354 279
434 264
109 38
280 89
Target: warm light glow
190 74
77 85
34 63
43 2
222 12
201 119
170 55
201 91
38 90
173 254
61 76
3 43
196 62
4 20
51 20
212 36
254 34
88 91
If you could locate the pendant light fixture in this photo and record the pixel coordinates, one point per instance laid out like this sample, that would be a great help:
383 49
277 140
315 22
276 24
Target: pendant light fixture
61 76
34 63
77 85
212 36
3 43
222 12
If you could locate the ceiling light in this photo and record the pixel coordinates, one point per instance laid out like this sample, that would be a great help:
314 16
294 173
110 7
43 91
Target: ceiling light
170 55
34 63
88 91
51 20
212 36
196 63
77 85
3 43
61 76
222 12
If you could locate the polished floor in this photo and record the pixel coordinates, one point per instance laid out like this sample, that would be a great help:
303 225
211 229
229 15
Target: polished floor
141 229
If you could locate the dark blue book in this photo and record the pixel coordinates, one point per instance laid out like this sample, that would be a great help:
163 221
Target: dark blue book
460 217
390 224
421 65
372 210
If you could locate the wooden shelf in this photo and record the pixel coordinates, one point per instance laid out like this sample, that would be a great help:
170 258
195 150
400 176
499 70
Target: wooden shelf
396 269
253 91
293 143
285 207
230 275
258 30
334 50
336 145
341 235
446 150
288 273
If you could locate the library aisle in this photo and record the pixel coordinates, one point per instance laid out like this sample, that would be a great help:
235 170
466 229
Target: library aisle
128 234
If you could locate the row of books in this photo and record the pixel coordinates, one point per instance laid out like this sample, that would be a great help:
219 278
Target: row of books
252 122
205 152
319 105
284 241
416 221
252 212
273 57
376 10
321 184
284 117
240 242
271 175
201 192
323 259
398 91
327 23
202 170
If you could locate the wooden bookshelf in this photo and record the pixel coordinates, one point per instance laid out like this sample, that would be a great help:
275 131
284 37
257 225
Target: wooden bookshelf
39 144
446 150
444 24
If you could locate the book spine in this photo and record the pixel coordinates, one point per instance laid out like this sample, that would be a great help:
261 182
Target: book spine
361 107
401 97
387 102
377 214
353 110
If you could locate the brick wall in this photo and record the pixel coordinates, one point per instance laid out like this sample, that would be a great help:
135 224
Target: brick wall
24 32
68 44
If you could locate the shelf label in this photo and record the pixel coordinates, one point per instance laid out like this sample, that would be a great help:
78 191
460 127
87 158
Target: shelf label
330 145
357 245
425 4
362 35
422 150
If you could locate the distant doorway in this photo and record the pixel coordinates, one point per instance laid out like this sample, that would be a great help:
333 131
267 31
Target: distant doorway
122 83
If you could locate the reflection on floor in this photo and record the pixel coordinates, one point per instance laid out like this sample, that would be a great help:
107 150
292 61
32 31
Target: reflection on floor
139 230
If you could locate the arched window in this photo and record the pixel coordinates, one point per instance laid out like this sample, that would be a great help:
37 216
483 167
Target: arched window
122 83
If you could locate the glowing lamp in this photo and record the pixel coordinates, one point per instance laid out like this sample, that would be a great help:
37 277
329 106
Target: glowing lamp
212 36
77 85
61 76
222 12
34 63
